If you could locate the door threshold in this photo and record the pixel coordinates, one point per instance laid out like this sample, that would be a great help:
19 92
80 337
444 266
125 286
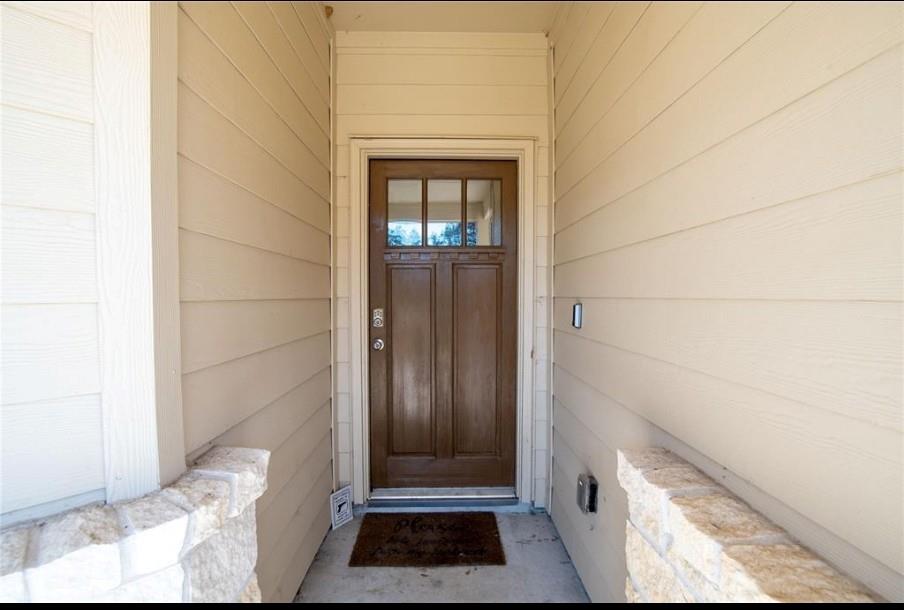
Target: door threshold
438 497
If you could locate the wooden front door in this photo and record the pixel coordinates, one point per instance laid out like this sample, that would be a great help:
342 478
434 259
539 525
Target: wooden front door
443 320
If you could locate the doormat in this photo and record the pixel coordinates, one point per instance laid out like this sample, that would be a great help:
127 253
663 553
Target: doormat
428 539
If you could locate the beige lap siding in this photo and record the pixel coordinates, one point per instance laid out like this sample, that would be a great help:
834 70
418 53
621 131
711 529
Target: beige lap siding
254 190
728 209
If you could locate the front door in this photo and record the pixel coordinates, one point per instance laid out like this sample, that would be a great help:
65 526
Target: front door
443 320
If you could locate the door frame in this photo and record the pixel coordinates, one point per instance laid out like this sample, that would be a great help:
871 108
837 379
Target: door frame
361 150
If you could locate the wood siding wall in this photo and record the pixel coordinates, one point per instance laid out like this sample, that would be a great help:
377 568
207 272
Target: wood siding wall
254 217
423 84
52 434
728 209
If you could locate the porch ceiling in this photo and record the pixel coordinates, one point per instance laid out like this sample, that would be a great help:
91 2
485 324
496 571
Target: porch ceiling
444 16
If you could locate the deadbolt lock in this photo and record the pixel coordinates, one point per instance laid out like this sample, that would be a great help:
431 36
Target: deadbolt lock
376 318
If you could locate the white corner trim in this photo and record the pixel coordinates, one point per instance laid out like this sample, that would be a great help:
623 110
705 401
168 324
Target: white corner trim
137 253
522 150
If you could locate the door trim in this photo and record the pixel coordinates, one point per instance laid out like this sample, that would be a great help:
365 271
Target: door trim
523 151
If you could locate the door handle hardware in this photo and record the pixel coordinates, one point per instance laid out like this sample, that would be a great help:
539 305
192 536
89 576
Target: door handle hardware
378 345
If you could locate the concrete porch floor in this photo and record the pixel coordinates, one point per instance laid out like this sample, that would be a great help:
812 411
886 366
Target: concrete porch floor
537 570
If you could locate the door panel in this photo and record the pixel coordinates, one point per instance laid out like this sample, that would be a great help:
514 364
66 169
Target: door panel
410 308
476 366
443 264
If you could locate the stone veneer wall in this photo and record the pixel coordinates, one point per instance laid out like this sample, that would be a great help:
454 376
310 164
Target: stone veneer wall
690 540
194 541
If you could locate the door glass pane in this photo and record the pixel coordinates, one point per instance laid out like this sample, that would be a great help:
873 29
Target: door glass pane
404 214
444 212
484 226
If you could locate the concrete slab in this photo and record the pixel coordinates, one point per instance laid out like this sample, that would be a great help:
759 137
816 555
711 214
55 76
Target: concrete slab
538 570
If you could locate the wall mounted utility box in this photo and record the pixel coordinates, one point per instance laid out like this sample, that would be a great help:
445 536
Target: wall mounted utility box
587 492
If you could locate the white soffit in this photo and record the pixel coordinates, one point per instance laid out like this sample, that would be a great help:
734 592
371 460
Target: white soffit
523 17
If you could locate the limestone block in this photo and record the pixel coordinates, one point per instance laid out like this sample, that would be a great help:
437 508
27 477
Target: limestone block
704 590
252 592
13 545
165 586
244 469
155 534
75 556
702 525
652 572
650 478
784 573
222 564
631 594
206 500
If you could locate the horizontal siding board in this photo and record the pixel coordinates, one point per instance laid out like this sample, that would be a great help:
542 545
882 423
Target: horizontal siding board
613 34
270 427
298 37
440 40
585 36
781 446
48 256
489 126
436 69
217 398
214 332
48 161
835 138
230 33
441 100
840 356
212 205
785 252
46 65
807 47
208 72
591 562
212 269
313 26
311 443
573 20
263 23
210 139
710 36
49 352
76 13
292 572
307 481
50 450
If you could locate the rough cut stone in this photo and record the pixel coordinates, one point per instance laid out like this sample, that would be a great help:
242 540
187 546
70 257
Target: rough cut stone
711 546
631 593
165 586
13 546
784 573
179 544
252 592
701 526
155 534
704 590
661 584
221 565
244 469
207 501
76 557
649 481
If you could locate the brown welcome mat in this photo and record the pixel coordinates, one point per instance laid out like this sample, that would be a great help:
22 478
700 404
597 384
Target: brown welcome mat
428 539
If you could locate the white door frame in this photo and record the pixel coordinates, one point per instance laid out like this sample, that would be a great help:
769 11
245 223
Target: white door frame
361 150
